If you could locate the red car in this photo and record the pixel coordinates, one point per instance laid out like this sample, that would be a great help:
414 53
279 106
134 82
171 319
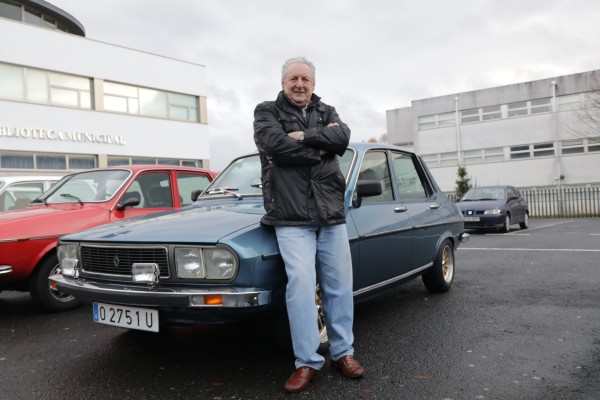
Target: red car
82 200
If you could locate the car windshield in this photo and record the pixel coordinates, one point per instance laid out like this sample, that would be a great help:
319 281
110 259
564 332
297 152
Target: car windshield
243 176
482 193
84 187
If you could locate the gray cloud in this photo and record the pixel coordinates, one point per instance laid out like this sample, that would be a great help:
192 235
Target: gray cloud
371 56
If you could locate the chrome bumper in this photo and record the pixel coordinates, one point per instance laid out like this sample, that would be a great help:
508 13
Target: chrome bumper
136 295
5 269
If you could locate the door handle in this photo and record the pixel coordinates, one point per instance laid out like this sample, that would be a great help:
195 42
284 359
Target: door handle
434 206
400 209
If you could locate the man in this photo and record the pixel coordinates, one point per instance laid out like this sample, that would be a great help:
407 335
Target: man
298 138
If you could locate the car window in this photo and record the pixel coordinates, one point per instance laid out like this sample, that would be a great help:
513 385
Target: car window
153 189
345 162
242 176
20 195
407 177
188 183
88 186
375 167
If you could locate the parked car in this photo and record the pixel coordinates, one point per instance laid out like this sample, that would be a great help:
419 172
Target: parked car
494 207
28 237
18 191
213 262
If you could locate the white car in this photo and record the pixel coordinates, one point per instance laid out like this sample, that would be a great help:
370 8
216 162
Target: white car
18 191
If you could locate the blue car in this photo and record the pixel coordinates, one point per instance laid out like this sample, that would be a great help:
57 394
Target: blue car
213 262
494 207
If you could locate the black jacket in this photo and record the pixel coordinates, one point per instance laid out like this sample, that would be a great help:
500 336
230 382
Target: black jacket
301 187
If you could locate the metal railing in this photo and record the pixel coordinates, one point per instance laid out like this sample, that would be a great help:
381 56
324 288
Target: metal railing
560 203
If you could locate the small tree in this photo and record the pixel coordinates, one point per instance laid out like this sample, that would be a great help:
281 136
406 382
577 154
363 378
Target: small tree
463 183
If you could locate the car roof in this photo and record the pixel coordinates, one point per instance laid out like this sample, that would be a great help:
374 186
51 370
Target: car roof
28 178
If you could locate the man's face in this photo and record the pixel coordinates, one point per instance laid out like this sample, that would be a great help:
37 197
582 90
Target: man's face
299 84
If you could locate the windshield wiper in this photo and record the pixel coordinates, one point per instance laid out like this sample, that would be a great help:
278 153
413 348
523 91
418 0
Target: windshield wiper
72 197
224 190
486 199
256 185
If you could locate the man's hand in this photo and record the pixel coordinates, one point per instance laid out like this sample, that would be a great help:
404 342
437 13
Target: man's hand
294 135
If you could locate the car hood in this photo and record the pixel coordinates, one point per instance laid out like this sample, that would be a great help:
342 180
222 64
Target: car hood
195 224
51 220
481 204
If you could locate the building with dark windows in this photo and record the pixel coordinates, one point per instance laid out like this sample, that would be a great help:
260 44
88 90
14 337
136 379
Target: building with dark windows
68 102
538 134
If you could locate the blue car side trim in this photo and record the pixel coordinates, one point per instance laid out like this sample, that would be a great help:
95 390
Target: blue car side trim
390 281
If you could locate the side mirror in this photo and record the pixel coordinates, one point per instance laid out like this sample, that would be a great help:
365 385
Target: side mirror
130 202
366 188
196 193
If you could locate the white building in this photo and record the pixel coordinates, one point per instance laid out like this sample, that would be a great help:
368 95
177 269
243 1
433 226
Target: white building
544 133
68 102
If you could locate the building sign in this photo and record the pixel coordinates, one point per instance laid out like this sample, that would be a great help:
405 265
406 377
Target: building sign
60 136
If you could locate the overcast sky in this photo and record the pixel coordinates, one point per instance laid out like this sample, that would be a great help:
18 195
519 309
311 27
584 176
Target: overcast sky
371 56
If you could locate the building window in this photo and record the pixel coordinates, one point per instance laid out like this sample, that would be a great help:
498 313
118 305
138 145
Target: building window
447 119
594 144
39 86
543 149
541 106
82 162
154 103
431 160
468 116
472 157
494 154
112 161
517 152
50 161
517 109
448 159
10 10
16 161
572 146
493 112
570 102
427 122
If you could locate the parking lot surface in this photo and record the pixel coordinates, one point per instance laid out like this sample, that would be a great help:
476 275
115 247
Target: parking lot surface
522 321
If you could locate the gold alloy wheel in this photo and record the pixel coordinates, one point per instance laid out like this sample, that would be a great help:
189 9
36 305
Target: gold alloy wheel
320 316
447 263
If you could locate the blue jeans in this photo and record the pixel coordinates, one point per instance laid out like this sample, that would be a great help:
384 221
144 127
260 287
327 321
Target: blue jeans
308 252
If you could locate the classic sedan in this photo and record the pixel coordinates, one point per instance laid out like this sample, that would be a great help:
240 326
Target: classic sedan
29 236
213 262
494 207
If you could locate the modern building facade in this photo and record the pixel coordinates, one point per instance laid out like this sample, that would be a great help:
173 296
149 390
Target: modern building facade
538 134
68 102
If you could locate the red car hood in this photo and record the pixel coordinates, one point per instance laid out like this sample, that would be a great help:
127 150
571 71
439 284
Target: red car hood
52 220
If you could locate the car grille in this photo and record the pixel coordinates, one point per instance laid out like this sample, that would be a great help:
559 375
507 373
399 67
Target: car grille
118 260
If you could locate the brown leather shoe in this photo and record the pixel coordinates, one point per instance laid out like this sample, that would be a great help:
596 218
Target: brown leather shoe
300 379
349 367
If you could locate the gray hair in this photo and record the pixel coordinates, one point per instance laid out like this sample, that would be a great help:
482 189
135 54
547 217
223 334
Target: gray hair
297 60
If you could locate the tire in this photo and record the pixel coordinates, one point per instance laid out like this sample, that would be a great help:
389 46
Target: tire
439 277
525 223
506 227
42 294
284 336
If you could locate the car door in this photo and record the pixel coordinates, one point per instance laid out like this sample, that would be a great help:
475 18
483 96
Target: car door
420 199
153 189
382 225
514 204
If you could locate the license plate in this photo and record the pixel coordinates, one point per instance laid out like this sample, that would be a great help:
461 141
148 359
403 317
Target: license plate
143 319
472 219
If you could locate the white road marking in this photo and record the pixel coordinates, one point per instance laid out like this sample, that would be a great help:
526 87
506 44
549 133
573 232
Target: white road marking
516 249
